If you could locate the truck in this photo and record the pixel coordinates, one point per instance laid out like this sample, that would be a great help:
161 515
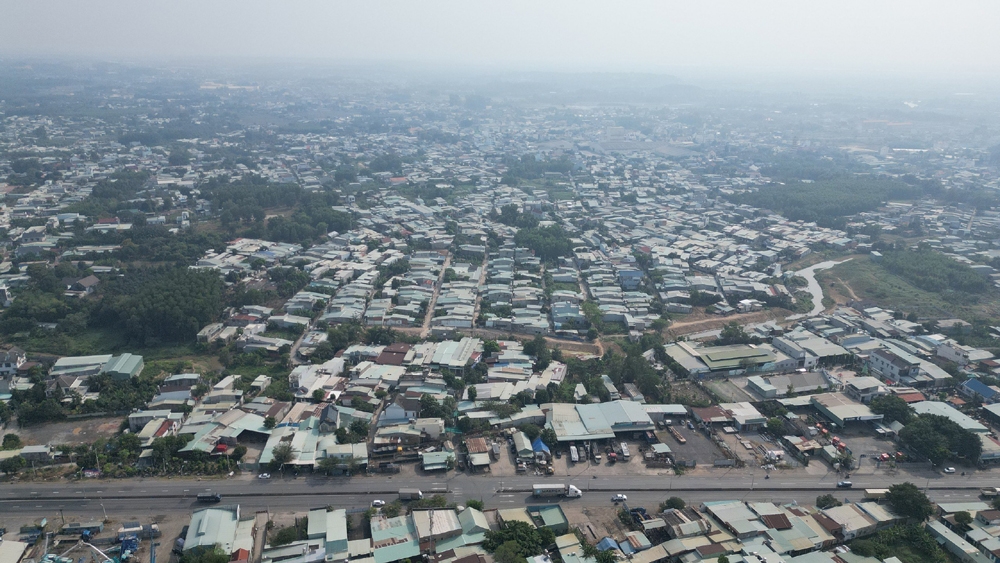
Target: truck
876 494
556 490
410 494
209 497
574 455
625 453
990 492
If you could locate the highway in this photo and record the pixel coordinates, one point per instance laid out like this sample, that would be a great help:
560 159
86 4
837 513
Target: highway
142 497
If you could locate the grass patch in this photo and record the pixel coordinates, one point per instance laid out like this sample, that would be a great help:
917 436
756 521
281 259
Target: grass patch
869 281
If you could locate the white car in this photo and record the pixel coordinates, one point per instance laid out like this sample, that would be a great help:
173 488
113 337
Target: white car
264 476
949 469
619 498
378 503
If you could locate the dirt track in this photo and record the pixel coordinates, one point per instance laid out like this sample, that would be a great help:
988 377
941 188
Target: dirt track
714 322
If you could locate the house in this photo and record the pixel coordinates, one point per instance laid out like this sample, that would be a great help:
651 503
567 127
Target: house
86 285
124 367
893 366
11 360
975 390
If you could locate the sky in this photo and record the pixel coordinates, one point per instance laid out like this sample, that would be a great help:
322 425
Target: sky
819 38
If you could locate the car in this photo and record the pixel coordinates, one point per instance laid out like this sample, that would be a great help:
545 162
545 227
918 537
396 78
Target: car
264 476
949 470
619 498
378 503
844 484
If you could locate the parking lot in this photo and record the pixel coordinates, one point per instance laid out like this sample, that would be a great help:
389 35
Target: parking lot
699 447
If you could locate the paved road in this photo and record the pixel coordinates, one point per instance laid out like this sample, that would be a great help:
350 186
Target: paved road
465 486
151 497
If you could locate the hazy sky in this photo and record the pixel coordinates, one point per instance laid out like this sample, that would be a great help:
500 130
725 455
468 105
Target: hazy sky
746 36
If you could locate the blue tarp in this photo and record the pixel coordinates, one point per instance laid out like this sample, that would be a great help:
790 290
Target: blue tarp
539 446
607 544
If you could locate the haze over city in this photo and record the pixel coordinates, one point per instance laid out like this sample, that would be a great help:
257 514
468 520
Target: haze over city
509 282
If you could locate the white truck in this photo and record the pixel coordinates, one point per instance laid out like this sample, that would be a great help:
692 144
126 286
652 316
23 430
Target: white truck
410 494
625 452
556 490
574 454
990 492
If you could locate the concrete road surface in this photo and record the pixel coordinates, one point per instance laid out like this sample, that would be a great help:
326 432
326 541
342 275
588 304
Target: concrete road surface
163 496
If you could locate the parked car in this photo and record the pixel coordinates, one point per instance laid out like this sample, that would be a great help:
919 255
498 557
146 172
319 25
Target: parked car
619 498
378 503
264 476
949 470
844 484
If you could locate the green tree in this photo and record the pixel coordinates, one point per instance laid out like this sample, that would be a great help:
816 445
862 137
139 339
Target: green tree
722 559
12 464
205 556
963 519
892 407
676 503
11 442
238 452
827 501
477 504
776 426
318 396
508 552
908 501
281 454
530 430
549 437
270 422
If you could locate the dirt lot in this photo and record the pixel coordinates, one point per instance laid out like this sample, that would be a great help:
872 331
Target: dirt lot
730 390
687 393
699 446
70 432
170 529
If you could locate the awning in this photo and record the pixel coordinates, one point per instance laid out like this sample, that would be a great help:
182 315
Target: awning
479 460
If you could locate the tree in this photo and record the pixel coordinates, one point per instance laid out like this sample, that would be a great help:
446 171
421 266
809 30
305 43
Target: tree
722 559
282 454
473 393
827 501
238 452
491 347
477 504
539 348
508 552
13 464
270 422
936 437
11 442
846 461
892 407
908 501
328 465
676 503
963 519
530 430
215 555
318 395
776 426
549 437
